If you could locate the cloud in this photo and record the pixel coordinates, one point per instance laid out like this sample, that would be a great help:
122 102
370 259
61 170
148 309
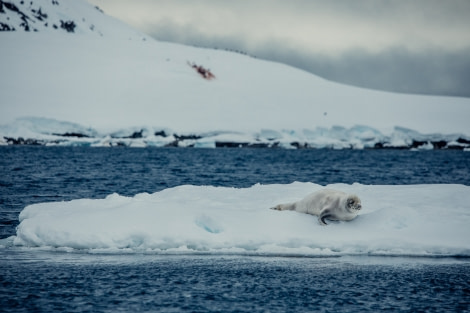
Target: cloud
320 25
397 69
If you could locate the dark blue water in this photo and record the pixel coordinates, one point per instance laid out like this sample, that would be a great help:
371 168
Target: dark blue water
77 283
42 281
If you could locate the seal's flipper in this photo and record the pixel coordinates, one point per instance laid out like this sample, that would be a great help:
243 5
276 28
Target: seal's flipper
322 218
284 207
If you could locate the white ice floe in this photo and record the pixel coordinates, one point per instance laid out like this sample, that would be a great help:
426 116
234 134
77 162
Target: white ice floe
417 220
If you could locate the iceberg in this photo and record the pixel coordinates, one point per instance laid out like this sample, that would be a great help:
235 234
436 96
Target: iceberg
406 220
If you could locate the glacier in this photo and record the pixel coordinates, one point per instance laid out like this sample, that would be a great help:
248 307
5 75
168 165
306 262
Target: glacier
50 132
407 220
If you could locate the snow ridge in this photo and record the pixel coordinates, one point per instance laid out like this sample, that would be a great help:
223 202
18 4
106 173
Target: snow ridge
64 16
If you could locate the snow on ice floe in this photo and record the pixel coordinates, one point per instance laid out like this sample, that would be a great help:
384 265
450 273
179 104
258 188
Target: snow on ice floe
418 220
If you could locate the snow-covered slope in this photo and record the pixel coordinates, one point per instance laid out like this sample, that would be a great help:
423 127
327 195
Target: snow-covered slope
109 77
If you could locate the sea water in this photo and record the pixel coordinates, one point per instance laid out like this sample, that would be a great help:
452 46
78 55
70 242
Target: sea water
42 280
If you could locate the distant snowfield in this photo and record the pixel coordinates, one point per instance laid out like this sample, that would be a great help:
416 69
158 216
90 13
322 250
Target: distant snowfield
109 77
414 220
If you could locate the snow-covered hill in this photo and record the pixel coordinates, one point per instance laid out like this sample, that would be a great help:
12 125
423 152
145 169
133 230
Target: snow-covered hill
116 82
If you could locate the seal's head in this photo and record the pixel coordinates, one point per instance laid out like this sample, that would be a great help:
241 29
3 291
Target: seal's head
353 203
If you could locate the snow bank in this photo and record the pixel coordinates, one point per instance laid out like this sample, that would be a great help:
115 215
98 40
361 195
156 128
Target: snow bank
424 220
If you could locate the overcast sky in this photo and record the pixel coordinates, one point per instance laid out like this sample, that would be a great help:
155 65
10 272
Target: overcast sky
417 46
